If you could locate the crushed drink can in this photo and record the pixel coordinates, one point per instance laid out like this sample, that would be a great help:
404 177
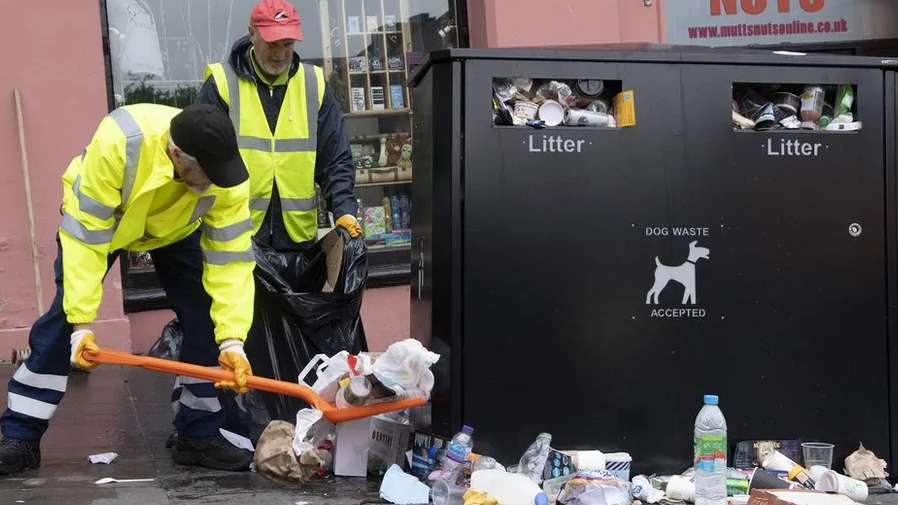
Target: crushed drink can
737 486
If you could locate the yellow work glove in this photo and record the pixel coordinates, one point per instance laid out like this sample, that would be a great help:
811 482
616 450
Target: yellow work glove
84 340
475 498
349 223
232 359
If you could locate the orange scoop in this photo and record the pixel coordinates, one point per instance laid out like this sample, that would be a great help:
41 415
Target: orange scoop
330 411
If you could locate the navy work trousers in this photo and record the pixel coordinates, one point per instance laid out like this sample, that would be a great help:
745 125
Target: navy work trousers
40 383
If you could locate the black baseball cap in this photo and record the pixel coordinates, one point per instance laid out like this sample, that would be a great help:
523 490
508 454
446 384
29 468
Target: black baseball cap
206 133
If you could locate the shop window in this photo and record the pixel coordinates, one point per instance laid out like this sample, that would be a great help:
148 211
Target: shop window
597 103
795 107
367 48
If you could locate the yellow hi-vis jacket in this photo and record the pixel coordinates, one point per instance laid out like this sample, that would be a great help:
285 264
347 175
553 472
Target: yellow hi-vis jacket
288 155
120 193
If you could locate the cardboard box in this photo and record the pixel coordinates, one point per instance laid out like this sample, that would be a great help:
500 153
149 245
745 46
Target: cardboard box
797 497
558 465
750 453
376 438
351 448
389 441
424 453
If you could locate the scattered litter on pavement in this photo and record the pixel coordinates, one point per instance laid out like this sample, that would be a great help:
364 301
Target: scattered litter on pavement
105 458
237 440
110 480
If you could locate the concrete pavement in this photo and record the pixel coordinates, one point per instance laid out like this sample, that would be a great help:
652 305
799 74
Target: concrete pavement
127 410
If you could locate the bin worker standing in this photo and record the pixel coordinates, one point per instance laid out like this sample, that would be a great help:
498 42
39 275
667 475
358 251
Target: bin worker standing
170 182
289 128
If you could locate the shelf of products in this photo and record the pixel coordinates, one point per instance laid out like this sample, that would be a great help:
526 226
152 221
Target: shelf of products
368 54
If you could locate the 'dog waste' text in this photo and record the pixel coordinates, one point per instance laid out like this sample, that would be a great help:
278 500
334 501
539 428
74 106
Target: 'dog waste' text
675 231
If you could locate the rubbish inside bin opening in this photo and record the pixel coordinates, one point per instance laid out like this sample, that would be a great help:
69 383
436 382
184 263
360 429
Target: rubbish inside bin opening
795 107
541 102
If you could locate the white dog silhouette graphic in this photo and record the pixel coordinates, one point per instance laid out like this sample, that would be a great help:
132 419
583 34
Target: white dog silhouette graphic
684 274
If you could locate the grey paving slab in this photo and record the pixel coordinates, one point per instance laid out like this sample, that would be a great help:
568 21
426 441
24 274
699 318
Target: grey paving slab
127 411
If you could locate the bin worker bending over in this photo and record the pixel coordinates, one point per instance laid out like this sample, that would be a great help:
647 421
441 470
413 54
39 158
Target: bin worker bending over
289 128
171 182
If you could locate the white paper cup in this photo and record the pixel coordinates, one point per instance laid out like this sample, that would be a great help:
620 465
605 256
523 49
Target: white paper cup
679 488
525 110
835 482
551 112
778 462
588 461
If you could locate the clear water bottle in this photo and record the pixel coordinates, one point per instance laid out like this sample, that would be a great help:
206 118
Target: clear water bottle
710 444
457 455
534 460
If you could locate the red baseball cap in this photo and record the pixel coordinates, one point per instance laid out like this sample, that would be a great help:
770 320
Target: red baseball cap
276 20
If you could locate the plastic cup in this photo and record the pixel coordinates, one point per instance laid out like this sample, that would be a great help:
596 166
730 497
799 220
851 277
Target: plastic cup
817 454
444 493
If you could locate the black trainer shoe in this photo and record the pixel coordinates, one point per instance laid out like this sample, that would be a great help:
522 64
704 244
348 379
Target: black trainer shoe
172 439
213 452
17 455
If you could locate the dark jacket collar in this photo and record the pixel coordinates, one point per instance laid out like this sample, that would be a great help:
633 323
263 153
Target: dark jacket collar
240 59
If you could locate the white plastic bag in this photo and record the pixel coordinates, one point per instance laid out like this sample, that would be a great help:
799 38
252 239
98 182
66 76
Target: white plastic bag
329 372
310 430
406 365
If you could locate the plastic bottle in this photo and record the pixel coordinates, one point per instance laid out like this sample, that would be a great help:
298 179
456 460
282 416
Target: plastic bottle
508 488
812 103
388 211
534 459
405 212
485 463
457 455
397 213
710 444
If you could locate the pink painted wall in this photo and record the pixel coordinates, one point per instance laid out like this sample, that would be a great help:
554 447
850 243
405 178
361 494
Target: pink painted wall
520 23
385 315
63 99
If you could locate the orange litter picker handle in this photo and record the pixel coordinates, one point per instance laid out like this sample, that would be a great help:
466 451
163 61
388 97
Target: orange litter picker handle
330 411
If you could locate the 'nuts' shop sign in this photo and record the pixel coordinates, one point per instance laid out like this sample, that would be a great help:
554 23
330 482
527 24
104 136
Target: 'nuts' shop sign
774 22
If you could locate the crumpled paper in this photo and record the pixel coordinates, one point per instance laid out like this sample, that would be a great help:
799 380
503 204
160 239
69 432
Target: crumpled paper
863 465
275 458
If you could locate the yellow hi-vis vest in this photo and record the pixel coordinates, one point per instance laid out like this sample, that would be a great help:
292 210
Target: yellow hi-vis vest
286 157
108 205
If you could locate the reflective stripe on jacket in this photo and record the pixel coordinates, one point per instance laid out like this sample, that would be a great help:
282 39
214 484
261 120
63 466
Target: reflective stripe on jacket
108 205
288 155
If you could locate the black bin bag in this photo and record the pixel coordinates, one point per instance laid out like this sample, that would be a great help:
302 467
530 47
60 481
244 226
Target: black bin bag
306 303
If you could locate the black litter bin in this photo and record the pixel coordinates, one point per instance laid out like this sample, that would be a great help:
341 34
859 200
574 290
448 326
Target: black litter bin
594 282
